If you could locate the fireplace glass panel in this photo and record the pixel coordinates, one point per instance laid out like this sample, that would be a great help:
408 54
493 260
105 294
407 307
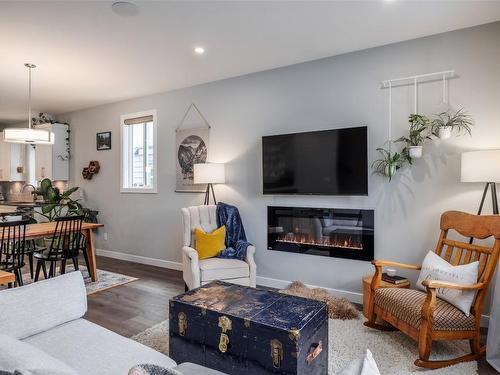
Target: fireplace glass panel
332 232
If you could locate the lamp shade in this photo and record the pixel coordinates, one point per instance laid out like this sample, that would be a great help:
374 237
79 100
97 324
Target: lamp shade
481 166
28 135
209 173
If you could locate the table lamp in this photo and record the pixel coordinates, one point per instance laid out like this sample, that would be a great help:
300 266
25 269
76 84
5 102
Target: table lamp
482 166
209 173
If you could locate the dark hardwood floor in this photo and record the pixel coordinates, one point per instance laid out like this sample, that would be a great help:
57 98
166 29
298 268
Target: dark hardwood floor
131 308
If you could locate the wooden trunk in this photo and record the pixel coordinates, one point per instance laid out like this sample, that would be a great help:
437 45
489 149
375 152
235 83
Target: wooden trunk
248 331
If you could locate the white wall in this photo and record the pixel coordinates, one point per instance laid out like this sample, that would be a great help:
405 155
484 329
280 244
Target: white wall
335 92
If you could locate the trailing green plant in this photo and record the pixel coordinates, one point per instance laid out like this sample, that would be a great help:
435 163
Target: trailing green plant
57 204
389 163
44 118
460 122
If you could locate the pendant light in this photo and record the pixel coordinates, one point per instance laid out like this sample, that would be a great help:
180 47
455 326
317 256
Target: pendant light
28 135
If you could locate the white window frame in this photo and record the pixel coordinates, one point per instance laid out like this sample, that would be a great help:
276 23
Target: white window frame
153 190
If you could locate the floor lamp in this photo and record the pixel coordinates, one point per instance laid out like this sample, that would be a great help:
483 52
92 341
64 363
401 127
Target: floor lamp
484 166
209 173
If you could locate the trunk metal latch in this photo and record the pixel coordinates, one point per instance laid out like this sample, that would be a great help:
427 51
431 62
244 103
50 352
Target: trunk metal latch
182 323
226 325
276 353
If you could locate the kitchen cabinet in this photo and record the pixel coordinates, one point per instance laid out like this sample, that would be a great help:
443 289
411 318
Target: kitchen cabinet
52 161
11 161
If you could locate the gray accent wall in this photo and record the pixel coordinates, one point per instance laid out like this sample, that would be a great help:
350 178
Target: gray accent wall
336 92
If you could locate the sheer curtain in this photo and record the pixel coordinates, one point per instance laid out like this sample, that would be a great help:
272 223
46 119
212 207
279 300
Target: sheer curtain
493 345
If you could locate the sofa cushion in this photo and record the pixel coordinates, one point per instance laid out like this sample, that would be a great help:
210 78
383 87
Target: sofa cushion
91 349
43 305
365 365
25 359
220 269
406 304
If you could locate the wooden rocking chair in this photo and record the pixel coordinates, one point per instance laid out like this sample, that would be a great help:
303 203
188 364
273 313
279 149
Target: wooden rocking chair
423 316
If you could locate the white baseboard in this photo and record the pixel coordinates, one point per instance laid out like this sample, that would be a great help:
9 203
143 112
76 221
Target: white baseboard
140 259
282 284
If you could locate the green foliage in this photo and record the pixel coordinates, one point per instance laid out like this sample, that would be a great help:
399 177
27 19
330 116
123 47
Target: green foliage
388 164
56 204
460 122
419 131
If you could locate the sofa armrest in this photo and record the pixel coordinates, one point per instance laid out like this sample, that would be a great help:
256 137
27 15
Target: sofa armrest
251 263
38 307
190 267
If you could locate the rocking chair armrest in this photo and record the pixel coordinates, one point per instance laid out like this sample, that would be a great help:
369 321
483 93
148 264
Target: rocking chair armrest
436 284
383 263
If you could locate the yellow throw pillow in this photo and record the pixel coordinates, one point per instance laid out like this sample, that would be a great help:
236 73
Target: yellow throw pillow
209 245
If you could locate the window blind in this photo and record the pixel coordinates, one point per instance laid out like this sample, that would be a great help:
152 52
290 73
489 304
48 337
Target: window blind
138 120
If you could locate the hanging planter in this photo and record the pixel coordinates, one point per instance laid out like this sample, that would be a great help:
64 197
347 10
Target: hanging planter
415 152
444 132
446 124
389 163
419 132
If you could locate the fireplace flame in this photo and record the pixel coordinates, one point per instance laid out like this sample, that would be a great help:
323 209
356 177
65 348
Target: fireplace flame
346 242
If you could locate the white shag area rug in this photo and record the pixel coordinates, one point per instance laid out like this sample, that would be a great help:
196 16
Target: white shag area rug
394 352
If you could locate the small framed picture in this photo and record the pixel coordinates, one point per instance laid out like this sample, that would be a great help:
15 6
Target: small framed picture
103 141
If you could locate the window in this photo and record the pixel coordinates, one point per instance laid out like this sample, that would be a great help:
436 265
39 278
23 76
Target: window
138 168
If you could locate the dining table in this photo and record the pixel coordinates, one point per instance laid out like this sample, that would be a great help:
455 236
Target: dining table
43 230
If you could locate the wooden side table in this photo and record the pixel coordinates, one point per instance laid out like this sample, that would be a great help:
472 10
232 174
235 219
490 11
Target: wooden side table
7 278
367 280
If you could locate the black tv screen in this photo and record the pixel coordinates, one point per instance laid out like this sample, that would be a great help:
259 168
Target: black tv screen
328 162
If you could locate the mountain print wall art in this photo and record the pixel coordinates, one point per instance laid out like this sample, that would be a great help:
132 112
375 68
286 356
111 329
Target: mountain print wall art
191 148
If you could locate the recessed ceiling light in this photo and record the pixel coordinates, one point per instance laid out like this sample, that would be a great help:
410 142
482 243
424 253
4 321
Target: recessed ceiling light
199 50
125 8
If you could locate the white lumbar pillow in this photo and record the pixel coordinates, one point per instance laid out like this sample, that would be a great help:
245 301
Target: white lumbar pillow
361 366
436 268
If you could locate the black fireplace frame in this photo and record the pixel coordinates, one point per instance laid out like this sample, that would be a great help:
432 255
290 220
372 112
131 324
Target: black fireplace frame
367 233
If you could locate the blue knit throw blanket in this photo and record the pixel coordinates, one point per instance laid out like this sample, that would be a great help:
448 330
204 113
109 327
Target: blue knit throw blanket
236 240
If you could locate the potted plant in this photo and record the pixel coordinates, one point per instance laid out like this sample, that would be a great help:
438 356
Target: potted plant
419 132
57 204
388 164
446 123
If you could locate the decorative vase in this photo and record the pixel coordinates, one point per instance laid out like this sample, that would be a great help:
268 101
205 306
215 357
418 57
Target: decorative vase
415 152
444 132
390 170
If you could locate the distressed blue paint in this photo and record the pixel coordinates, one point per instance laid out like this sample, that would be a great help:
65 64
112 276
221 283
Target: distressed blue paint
257 317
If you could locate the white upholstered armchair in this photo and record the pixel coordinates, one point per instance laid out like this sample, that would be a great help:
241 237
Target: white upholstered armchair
198 272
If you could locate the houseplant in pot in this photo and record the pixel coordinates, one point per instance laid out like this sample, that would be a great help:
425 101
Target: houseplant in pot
419 132
388 164
446 123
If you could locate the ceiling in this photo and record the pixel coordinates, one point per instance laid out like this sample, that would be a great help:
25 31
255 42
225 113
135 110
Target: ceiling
87 55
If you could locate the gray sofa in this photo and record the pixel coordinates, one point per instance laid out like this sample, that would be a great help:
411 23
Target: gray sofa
42 331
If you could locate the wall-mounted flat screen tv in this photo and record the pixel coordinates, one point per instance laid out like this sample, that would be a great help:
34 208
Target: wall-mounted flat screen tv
327 162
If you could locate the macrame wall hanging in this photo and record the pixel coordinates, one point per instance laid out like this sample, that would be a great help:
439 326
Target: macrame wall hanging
191 147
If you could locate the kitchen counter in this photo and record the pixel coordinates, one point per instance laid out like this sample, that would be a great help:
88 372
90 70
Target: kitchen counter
4 210
21 204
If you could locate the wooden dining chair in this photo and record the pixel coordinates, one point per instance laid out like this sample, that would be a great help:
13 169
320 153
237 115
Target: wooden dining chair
423 316
66 244
12 244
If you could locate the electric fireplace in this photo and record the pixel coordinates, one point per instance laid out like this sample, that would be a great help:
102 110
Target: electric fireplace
331 232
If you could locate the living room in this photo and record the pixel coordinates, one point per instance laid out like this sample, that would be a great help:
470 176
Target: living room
257 89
